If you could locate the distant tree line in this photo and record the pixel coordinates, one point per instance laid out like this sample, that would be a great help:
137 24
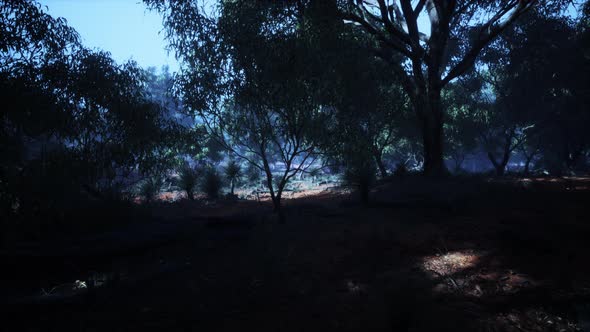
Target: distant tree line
359 84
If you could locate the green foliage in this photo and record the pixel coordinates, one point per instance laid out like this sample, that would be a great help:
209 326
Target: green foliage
78 124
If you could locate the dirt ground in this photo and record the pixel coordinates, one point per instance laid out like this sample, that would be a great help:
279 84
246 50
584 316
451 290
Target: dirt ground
455 254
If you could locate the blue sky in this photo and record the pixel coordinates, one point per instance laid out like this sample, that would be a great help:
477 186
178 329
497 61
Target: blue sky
125 28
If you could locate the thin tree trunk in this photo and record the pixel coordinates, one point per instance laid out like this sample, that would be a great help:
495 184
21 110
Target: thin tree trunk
276 198
527 164
380 165
458 163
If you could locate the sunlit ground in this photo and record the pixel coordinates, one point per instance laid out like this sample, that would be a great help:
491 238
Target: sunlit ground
296 190
569 183
307 189
474 273
450 263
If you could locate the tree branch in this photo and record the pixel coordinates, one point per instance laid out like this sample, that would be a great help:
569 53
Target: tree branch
489 32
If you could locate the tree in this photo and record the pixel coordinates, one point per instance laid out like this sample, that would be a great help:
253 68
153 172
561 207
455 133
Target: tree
188 181
211 183
233 171
370 107
75 120
246 83
458 32
537 75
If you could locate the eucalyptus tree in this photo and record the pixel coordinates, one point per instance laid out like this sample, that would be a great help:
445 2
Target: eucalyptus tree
117 129
462 100
232 172
438 41
244 74
554 79
32 45
370 108
74 119
537 74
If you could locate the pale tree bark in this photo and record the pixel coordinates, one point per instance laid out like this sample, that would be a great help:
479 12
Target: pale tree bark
426 69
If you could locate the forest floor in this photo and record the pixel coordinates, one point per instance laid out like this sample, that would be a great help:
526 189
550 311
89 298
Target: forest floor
425 255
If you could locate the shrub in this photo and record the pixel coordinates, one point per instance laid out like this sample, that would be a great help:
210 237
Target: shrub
211 184
150 188
114 192
188 181
360 174
401 169
233 171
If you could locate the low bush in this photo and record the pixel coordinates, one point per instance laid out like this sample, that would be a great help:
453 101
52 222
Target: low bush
211 183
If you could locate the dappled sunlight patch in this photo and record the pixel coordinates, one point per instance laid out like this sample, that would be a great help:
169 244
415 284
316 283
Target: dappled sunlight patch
568 183
171 196
450 263
166 196
468 273
296 191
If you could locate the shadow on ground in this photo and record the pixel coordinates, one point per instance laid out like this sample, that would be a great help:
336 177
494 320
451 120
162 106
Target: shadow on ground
444 255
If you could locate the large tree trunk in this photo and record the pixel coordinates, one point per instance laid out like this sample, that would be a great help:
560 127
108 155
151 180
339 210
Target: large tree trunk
500 170
430 113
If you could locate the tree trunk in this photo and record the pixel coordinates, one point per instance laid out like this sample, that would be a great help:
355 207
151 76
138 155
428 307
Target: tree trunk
458 163
232 187
276 198
527 165
500 169
276 203
430 113
380 165
500 166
